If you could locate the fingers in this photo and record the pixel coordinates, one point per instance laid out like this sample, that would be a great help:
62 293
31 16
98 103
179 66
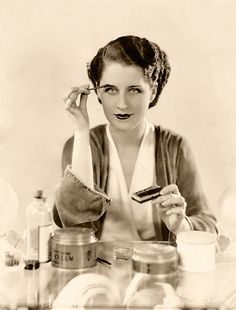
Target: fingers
71 99
170 196
74 93
172 199
171 202
71 106
171 188
171 206
176 210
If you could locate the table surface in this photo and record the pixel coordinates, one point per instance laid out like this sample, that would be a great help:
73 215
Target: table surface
44 287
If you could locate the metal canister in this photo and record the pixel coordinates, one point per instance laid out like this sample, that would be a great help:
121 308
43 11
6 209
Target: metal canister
74 248
159 261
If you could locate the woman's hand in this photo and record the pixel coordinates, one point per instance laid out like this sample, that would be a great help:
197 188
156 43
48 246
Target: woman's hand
79 111
171 207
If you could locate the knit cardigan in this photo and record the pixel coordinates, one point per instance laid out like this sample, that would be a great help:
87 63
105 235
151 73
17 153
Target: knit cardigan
78 205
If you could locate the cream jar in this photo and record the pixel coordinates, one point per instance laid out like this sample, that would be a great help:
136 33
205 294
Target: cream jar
159 261
74 248
155 277
197 250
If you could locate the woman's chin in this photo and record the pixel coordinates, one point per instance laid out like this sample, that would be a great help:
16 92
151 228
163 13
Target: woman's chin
122 125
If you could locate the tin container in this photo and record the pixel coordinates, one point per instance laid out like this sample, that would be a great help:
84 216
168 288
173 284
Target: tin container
158 261
74 248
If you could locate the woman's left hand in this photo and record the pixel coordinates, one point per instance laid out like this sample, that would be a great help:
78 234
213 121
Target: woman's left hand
171 207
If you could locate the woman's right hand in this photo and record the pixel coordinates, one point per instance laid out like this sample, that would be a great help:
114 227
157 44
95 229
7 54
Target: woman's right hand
78 110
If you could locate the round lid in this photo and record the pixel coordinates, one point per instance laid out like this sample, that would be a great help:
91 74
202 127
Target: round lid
75 235
196 237
155 253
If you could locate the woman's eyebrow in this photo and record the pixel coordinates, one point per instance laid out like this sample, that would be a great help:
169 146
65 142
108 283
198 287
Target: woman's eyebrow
113 86
102 86
108 85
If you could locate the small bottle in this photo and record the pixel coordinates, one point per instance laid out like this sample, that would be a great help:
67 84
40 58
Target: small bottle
38 229
122 268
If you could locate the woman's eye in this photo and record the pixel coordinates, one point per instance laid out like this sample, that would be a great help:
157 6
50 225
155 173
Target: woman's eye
111 90
135 90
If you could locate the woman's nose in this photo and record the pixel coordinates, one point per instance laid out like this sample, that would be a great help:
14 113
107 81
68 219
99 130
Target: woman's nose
121 103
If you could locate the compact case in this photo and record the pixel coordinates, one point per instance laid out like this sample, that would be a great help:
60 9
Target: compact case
74 248
147 194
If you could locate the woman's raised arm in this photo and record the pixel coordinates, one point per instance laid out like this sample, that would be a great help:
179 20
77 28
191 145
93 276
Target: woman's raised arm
81 157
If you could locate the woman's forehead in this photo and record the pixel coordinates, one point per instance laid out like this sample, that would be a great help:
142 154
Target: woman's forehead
115 72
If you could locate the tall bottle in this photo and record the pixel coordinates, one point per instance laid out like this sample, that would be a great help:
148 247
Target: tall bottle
38 229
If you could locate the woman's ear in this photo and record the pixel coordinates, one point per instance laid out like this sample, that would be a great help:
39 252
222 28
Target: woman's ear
153 92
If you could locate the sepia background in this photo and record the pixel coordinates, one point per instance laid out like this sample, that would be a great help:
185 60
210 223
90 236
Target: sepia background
44 49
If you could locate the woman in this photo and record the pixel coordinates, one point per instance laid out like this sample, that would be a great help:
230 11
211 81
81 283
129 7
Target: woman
105 165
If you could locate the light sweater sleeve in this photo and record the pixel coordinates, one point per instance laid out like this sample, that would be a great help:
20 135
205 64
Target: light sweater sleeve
82 158
77 201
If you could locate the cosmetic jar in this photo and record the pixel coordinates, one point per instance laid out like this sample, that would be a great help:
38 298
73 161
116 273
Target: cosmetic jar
197 250
74 248
159 261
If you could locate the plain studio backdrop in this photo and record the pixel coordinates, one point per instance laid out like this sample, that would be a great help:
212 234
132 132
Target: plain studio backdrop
45 46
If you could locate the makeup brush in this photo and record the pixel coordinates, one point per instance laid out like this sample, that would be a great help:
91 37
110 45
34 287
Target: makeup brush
77 90
94 88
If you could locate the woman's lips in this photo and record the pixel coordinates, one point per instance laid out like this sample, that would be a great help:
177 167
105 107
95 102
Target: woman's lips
123 116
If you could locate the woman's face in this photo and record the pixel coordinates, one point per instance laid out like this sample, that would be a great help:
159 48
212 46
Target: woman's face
126 97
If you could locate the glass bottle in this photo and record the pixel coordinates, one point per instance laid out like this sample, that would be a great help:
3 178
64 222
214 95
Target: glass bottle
38 229
121 268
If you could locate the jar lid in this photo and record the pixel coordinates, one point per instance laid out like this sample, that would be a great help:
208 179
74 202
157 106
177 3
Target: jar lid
196 237
156 253
74 235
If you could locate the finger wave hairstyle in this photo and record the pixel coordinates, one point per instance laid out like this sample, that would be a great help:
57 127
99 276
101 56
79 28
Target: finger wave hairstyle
133 50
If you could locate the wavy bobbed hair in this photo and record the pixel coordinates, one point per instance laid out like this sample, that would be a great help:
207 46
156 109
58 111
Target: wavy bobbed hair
133 50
